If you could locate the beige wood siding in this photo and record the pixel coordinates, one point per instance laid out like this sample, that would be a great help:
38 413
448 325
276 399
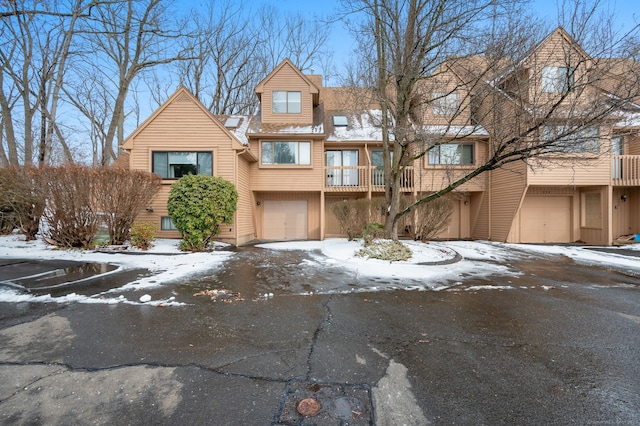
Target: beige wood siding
289 178
479 202
313 210
182 125
593 171
287 79
245 221
507 189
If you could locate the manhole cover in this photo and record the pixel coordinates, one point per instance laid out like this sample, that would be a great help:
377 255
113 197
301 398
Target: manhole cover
309 407
310 403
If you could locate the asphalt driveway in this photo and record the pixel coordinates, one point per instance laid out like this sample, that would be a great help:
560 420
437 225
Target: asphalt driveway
557 344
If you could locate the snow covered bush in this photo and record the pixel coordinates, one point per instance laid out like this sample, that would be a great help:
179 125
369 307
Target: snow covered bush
390 250
198 205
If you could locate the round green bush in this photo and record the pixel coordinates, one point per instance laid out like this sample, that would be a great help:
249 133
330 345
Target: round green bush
198 205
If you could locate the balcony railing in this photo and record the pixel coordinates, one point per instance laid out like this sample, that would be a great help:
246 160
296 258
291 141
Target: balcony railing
362 178
625 170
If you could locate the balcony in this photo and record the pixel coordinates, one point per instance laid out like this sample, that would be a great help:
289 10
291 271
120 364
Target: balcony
625 170
362 178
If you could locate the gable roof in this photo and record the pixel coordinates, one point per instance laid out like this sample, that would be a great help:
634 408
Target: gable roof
182 93
558 32
313 88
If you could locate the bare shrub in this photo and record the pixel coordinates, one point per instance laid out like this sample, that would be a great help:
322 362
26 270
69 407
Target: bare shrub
70 214
143 234
21 200
353 216
432 218
120 195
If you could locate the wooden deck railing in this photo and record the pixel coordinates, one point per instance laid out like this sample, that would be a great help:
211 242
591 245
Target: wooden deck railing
625 170
361 178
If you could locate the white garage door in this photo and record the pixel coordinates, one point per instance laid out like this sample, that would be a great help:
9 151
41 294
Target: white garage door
285 219
546 220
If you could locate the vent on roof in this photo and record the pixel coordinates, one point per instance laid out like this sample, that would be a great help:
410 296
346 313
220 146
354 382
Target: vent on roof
340 121
232 122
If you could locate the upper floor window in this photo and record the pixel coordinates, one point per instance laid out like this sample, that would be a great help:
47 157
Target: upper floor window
574 140
175 164
557 79
286 153
445 103
452 153
287 102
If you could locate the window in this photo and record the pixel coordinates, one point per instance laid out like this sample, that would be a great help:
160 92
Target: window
286 153
557 79
445 103
166 224
287 102
572 139
340 121
377 161
591 210
174 165
342 167
451 153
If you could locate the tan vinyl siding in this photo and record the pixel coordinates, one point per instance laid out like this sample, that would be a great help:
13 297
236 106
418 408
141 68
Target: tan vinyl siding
507 188
287 79
289 177
244 217
479 202
594 171
182 125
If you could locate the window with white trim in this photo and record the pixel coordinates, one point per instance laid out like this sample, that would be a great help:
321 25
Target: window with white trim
294 153
445 103
175 164
557 79
286 102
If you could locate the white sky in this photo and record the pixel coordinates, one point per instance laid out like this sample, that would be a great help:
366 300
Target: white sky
168 266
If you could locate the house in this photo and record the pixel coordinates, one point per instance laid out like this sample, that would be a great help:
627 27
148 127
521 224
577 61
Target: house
309 147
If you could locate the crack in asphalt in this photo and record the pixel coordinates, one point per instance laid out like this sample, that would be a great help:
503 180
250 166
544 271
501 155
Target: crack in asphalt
314 340
28 385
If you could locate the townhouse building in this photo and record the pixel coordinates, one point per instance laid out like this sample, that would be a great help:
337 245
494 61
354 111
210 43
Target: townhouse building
309 147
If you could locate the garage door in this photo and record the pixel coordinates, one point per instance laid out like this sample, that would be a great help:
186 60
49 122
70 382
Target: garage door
546 220
285 219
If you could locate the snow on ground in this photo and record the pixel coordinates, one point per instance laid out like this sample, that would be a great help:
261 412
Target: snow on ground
429 264
164 261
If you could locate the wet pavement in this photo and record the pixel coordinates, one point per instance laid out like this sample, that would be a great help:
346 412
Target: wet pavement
553 342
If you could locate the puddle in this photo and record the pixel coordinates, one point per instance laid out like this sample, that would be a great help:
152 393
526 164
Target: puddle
61 277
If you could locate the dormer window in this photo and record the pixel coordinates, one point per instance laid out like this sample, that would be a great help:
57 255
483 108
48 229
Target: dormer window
557 79
285 102
445 103
340 121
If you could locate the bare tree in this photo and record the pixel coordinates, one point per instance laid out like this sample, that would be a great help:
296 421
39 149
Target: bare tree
37 46
221 69
235 48
123 40
466 57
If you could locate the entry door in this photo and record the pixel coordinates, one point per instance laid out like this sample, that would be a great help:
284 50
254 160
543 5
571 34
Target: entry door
285 219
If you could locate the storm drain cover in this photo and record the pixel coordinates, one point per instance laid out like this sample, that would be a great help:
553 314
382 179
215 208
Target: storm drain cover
310 403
